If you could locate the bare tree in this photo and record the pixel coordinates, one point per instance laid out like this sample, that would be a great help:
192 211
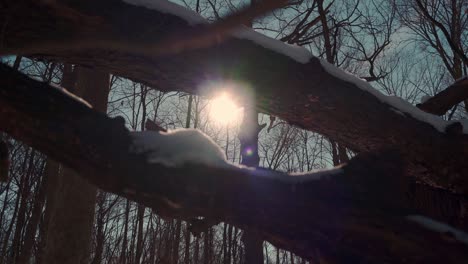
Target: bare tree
441 28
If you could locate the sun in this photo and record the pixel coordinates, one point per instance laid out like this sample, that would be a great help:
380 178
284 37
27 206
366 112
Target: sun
224 110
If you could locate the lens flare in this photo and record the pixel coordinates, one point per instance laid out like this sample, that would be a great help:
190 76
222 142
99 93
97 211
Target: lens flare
249 151
223 109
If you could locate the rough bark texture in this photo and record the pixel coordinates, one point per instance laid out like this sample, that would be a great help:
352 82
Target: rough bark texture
355 216
98 33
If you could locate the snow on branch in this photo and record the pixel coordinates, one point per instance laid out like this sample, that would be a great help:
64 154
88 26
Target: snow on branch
164 6
311 95
178 147
303 56
294 52
397 103
351 209
440 227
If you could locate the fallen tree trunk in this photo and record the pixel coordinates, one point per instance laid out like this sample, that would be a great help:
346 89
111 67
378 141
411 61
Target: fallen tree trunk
98 34
356 214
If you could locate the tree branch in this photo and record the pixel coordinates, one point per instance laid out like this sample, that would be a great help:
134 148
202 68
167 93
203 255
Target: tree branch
303 94
357 213
440 103
454 46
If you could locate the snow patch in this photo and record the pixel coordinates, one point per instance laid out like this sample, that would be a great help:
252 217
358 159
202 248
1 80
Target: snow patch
394 101
297 53
72 96
439 227
163 6
178 147
316 174
298 177
171 203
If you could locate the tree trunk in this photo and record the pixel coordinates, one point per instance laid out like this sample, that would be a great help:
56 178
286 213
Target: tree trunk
100 237
71 221
175 248
187 245
196 252
206 247
21 216
123 251
366 199
29 237
248 137
224 244
343 112
139 242
230 243
17 62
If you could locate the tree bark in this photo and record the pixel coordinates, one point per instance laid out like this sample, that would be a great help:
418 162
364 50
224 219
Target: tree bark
139 242
74 197
304 94
355 210
123 251
100 236
17 62
248 137
440 103
187 246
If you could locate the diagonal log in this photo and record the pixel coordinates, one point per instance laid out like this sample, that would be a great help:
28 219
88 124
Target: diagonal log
131 41
440 103
357 214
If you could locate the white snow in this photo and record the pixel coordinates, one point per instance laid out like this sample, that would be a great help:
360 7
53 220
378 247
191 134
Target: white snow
178 147
298 177
69 94
171 203
394 101
439 227
191 146
300 55
163 6
297 53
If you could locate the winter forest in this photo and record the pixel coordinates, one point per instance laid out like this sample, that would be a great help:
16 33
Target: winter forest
233 131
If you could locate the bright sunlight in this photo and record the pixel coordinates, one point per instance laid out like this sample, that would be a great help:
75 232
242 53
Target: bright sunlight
223 109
